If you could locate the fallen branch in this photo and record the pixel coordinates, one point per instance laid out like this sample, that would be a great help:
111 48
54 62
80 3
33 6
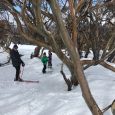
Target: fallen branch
68 82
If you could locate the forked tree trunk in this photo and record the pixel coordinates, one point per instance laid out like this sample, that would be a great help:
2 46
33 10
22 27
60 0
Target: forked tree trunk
78 70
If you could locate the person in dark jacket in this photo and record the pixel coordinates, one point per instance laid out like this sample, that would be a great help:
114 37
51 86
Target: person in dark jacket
44 60
49 59
16 62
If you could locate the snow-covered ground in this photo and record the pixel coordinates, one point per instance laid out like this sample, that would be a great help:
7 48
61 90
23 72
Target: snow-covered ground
50 95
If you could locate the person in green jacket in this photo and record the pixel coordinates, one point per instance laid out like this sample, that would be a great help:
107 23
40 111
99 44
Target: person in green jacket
44 60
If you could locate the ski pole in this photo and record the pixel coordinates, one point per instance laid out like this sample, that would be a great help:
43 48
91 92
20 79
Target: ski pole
22 72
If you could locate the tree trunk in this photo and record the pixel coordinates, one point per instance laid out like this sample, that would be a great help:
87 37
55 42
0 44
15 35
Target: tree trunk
73 77
96 54
85 90
78 70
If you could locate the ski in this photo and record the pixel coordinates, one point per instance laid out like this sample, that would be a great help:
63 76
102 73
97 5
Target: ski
29 81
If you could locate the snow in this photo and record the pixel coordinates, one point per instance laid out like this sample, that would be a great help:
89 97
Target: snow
50 95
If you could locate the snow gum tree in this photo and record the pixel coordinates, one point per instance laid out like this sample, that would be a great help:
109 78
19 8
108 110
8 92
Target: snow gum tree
46 22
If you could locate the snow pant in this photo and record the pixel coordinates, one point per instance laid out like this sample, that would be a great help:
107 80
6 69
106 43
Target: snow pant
50 64
17 73
44 68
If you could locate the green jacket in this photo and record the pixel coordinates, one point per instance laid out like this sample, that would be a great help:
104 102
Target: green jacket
44 60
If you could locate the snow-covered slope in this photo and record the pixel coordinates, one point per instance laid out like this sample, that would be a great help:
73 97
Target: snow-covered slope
50 95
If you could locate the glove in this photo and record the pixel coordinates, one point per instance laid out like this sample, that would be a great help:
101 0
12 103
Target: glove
23 64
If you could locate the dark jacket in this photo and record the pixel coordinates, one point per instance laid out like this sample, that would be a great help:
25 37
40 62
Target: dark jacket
15 57
50 56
